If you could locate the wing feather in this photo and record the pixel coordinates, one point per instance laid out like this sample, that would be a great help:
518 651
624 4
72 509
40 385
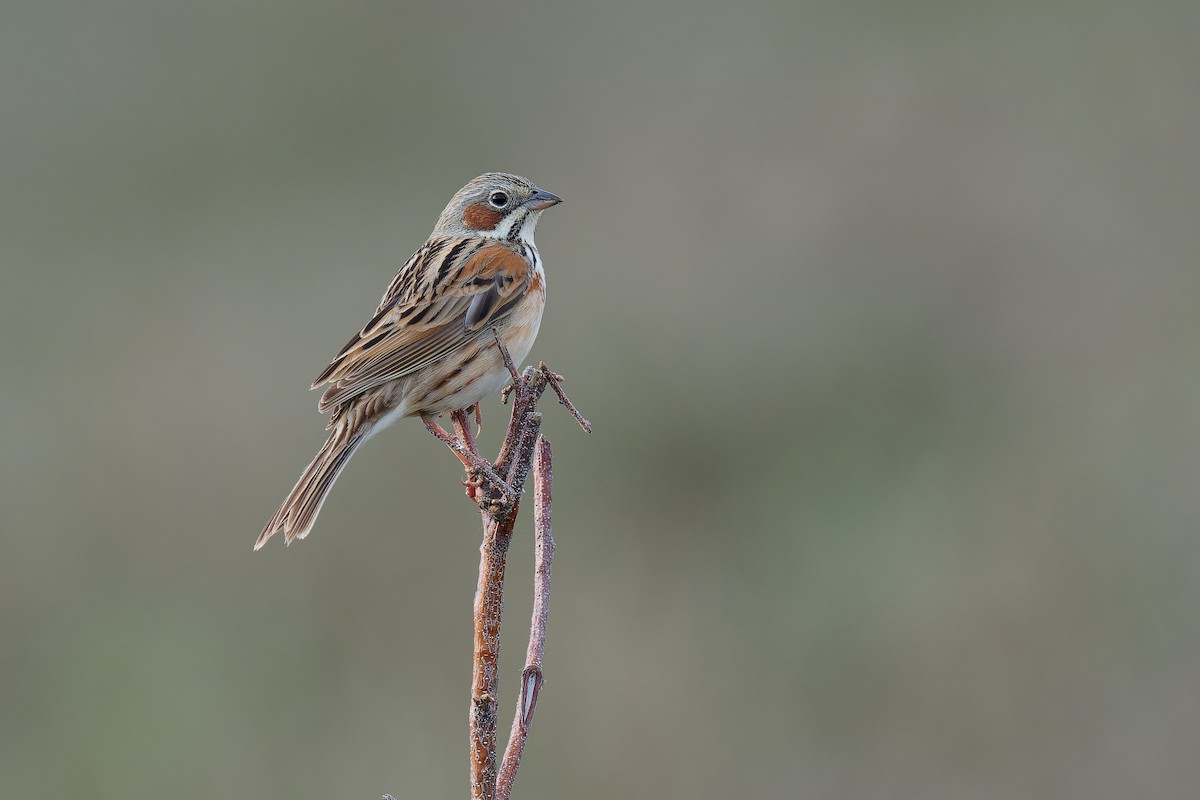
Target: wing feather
442 298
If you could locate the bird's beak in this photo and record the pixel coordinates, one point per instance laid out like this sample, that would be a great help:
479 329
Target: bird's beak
539 201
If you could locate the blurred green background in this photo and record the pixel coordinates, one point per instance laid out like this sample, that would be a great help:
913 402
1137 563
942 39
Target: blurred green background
885 314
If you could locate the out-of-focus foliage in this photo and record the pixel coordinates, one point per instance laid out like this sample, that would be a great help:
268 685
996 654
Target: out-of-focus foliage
885 314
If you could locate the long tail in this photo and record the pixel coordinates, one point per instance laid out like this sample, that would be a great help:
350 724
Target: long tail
299 511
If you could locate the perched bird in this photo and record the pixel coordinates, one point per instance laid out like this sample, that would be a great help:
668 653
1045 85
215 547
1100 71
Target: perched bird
430 348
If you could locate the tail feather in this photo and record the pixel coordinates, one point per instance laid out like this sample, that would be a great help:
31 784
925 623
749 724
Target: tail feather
299 511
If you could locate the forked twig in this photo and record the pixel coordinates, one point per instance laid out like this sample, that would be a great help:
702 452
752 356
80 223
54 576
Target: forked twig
531 676
497 488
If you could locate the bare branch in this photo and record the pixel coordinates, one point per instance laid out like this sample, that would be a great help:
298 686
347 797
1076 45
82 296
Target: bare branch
497 488
485 678
531 677
498 520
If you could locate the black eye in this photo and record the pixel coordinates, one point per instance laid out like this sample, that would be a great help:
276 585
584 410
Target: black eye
498 199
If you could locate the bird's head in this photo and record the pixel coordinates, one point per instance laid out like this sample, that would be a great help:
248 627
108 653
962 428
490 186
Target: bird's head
496 205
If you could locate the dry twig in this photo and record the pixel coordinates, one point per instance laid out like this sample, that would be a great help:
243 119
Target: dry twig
497 487
531 676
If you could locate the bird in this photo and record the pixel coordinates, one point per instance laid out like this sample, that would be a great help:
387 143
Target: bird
431 346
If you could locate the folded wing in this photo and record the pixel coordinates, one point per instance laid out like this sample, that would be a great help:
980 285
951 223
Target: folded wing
442 299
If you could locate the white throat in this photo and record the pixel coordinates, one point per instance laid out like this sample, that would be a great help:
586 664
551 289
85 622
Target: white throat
527 222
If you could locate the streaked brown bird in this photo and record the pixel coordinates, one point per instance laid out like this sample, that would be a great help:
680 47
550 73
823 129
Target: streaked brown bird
429 348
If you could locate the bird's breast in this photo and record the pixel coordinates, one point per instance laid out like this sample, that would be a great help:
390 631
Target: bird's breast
521 328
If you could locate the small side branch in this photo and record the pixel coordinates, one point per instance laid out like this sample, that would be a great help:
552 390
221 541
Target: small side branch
464 447
554 379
